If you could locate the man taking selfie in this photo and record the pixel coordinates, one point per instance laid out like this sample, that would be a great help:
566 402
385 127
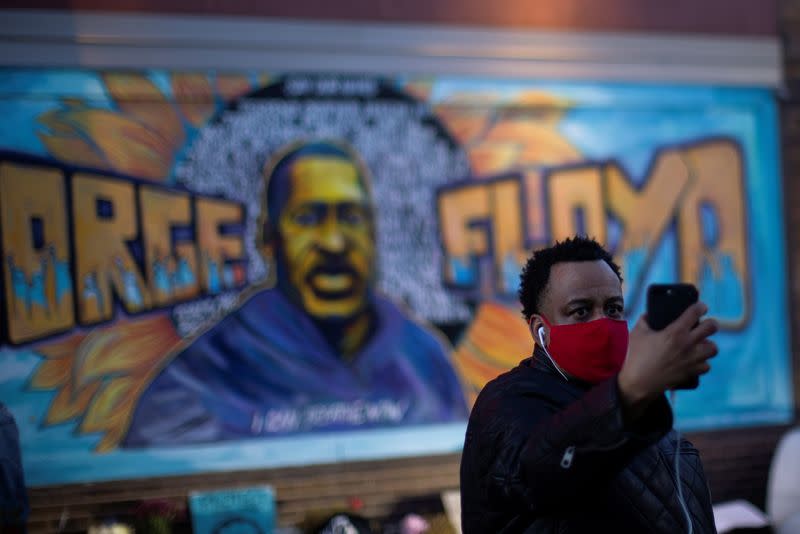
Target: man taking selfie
578 437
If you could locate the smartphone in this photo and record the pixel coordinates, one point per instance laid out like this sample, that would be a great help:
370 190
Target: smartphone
665 303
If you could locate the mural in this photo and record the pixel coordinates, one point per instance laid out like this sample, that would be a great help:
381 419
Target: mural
206 271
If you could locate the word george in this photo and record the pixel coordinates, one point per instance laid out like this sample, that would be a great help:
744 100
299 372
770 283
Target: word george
78 245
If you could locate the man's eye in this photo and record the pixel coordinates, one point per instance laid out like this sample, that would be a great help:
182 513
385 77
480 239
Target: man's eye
580 313
305 218
353 216
615 310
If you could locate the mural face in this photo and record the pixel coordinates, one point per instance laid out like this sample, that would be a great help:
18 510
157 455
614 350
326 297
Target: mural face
325 233
207 271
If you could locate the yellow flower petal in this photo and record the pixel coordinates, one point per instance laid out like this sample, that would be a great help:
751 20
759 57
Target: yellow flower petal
232 86
137 97
194 97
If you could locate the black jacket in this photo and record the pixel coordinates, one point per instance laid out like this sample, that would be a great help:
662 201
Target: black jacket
545 455
13 495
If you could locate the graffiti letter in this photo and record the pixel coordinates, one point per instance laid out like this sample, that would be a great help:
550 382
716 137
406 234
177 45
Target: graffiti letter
170 260
219 249
461 212
38 284
104 214
644 214
535 210
479 222
507 234
575 197
712 230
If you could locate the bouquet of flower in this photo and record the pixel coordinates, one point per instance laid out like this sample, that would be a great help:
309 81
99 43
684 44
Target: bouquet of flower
156 516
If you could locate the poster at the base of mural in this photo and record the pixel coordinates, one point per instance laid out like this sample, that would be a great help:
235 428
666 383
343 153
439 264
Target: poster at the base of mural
233 511
208 270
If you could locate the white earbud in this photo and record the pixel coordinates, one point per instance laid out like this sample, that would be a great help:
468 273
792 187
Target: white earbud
540 333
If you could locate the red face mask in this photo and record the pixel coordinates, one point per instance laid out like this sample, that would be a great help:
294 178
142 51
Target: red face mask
592 352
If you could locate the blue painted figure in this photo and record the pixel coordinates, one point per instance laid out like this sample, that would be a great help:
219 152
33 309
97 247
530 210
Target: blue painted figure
185 276
214 285
19 283
133 294
91 291
63 280
228 278
161 277
37 288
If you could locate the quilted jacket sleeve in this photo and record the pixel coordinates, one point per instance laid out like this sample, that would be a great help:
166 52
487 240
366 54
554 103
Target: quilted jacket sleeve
649 487
695 489
546 458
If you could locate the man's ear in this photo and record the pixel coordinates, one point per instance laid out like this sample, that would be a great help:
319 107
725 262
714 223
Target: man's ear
536 323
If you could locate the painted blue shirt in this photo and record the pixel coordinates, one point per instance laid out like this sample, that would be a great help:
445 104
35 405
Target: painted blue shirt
266 370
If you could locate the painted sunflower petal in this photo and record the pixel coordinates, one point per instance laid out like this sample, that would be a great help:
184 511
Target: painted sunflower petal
194 96
138 97
232 86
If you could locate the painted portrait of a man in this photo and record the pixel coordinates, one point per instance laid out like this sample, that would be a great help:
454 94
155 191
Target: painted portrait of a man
320 349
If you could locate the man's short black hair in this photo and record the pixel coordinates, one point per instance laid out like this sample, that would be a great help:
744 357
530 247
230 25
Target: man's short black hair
536 273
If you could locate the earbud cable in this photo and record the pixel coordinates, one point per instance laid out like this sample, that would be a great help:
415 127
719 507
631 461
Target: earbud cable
541 339
689 526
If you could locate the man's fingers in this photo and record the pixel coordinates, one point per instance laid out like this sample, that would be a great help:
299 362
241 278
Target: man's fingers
688 318
703 368
703 351
706 328
642 324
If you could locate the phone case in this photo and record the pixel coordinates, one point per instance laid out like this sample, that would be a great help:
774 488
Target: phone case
666 302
